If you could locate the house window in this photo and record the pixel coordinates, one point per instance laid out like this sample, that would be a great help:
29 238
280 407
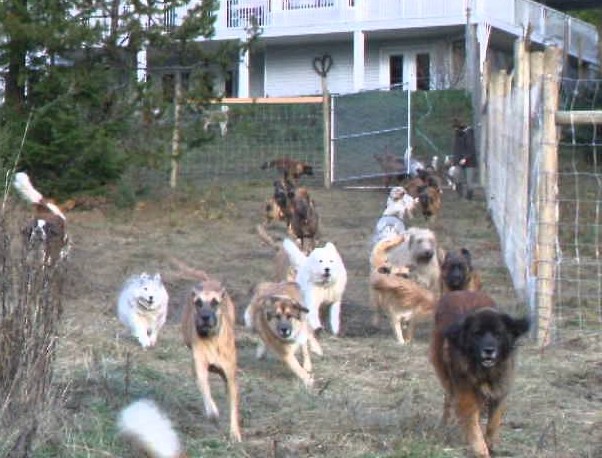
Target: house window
396 71
423 72
169 17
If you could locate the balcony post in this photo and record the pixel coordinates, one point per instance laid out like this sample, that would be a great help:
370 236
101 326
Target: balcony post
243 75
358 60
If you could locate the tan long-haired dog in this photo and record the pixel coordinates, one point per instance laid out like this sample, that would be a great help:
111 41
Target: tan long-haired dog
208 330
379 262
276 314
391 291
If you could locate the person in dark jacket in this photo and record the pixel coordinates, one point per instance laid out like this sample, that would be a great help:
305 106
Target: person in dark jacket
465 156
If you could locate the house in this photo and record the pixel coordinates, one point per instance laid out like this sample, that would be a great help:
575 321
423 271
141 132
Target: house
381 43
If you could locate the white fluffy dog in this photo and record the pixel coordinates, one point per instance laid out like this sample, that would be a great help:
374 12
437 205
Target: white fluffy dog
142 307
322 277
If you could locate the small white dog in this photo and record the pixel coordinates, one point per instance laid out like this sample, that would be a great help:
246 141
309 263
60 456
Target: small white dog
400 203
142 307
322 277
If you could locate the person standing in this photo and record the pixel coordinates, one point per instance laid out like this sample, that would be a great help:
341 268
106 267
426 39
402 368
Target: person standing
465 156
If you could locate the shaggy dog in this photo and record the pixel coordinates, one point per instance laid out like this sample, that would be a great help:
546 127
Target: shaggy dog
144 425
420 252
391 292
208 330
290 168
399 203
457 272
45 236
304 220
142 307
387 227
276 313
322 277
473 353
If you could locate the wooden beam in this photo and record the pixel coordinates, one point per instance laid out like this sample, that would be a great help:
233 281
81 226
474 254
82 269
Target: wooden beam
579 117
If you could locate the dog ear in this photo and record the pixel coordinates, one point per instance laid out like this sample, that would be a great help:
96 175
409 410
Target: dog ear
299 307
457 333
466 253
516 326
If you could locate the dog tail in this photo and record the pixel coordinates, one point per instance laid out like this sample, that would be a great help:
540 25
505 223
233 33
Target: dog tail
148 428
295 255
184 270
23 186
378 257
267 238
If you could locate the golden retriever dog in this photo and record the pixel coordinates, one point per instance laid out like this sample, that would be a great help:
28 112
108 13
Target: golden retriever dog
276 314
290 168
45 236
457 272
208 329
420 252
149 430
403 300
473 352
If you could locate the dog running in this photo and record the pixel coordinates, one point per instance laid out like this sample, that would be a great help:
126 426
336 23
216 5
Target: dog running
290 168
276 314
457 272
45 236
208 330
473 348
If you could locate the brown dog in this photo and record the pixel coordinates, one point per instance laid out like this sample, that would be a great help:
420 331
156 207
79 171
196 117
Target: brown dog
403 301
290 168
472 351
304 220
45 236
391 165
429 199
284 192
276 313
457 272
208 330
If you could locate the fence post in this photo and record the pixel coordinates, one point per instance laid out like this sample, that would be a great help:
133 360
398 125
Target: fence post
327 135
547 194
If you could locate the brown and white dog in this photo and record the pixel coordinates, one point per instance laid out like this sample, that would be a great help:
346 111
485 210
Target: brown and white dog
208 330
457 272
45 236
402 299
473 352
290 168
276 314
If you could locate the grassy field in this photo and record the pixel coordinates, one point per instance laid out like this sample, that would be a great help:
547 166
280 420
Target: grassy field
373 398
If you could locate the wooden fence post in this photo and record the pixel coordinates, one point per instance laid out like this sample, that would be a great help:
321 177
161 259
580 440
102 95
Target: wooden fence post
547 194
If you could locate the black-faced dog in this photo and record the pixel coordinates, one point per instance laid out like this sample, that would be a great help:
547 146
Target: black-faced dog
208 330
457 272
304 220
284 192
473 352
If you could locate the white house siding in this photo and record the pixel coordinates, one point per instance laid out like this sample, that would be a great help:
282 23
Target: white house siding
289 70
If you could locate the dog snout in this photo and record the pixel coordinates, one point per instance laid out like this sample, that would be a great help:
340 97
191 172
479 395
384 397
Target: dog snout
285 330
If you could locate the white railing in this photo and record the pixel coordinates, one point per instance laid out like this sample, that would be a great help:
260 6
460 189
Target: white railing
553 27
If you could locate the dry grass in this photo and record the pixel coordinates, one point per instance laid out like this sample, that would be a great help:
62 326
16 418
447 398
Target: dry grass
374 398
